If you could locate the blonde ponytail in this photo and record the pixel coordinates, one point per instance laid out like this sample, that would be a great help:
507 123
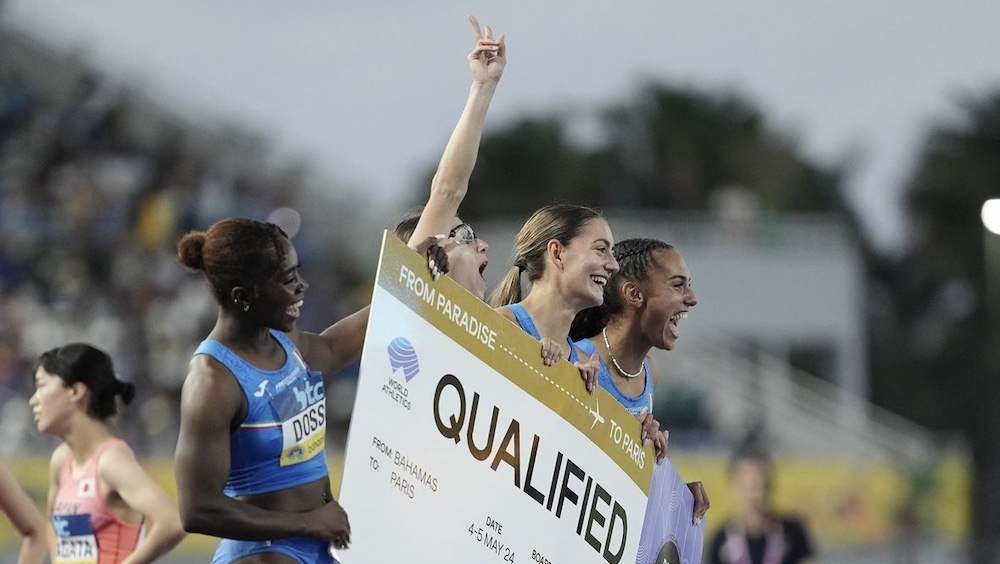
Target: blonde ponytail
509 290
561 222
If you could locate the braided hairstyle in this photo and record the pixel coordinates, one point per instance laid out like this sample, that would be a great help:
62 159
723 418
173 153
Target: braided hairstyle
234 252
561 222
635 256
80 362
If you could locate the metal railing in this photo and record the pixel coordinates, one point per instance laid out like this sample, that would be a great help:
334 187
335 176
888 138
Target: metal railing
802 414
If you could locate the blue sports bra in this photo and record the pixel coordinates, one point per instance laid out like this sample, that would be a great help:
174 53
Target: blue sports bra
280 443
633 405
524 320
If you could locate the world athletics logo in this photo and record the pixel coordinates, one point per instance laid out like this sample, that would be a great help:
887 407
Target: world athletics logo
402 356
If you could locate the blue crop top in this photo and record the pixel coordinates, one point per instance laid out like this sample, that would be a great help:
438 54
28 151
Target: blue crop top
633 405
280 443
524 320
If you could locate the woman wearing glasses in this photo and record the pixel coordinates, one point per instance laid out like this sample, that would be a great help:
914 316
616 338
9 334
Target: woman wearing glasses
466 258
466 253
250 463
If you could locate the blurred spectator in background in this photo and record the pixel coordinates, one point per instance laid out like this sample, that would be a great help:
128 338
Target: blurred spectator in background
757 534
95 188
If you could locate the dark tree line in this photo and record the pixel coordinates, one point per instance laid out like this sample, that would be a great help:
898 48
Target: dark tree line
931 356
666 149
937 299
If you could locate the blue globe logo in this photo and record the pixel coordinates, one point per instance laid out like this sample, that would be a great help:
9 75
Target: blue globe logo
402 356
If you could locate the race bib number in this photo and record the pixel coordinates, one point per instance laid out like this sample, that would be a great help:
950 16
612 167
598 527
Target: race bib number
75 540
301 407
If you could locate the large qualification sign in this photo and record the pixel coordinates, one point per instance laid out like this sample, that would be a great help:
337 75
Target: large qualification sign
464 447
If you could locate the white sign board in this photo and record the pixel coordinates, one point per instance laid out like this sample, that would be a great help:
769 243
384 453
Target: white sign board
464 447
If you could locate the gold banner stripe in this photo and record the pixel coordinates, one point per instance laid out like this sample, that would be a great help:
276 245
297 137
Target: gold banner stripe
516 355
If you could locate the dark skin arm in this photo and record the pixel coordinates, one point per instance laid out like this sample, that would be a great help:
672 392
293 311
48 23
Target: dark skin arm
337 347
340 344
701 503
211 401
651 433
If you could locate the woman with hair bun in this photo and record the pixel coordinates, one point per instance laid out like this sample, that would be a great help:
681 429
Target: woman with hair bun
103 505
250 462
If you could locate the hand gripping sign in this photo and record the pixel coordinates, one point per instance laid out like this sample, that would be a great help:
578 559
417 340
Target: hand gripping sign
464 447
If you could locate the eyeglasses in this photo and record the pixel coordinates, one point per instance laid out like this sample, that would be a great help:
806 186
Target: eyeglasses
463 234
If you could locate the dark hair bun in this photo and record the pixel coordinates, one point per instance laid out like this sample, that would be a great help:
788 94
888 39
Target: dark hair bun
189 251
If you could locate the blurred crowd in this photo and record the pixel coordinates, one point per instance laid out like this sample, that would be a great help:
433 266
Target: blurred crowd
90 211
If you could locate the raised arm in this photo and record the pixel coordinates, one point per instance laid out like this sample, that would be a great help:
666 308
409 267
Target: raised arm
340 344
451 180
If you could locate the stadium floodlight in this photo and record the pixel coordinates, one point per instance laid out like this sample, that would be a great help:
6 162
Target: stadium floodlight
991 215
991 263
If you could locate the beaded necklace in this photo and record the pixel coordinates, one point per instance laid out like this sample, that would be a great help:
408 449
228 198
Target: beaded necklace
615 361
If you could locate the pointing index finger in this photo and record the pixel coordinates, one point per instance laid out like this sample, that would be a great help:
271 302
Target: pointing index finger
477 33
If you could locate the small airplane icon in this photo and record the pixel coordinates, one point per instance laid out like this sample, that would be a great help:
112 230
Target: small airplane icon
596 412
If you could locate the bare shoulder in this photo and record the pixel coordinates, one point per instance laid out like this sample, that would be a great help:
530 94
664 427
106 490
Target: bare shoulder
506 312
207 375
115 455
302 340
116 462
59 457
210 394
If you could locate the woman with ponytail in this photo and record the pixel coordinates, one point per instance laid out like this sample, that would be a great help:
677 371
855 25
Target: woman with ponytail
103 505
247 469
564 252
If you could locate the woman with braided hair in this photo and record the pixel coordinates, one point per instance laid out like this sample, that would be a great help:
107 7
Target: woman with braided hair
644 302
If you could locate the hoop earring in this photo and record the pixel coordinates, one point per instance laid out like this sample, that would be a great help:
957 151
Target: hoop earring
246 307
